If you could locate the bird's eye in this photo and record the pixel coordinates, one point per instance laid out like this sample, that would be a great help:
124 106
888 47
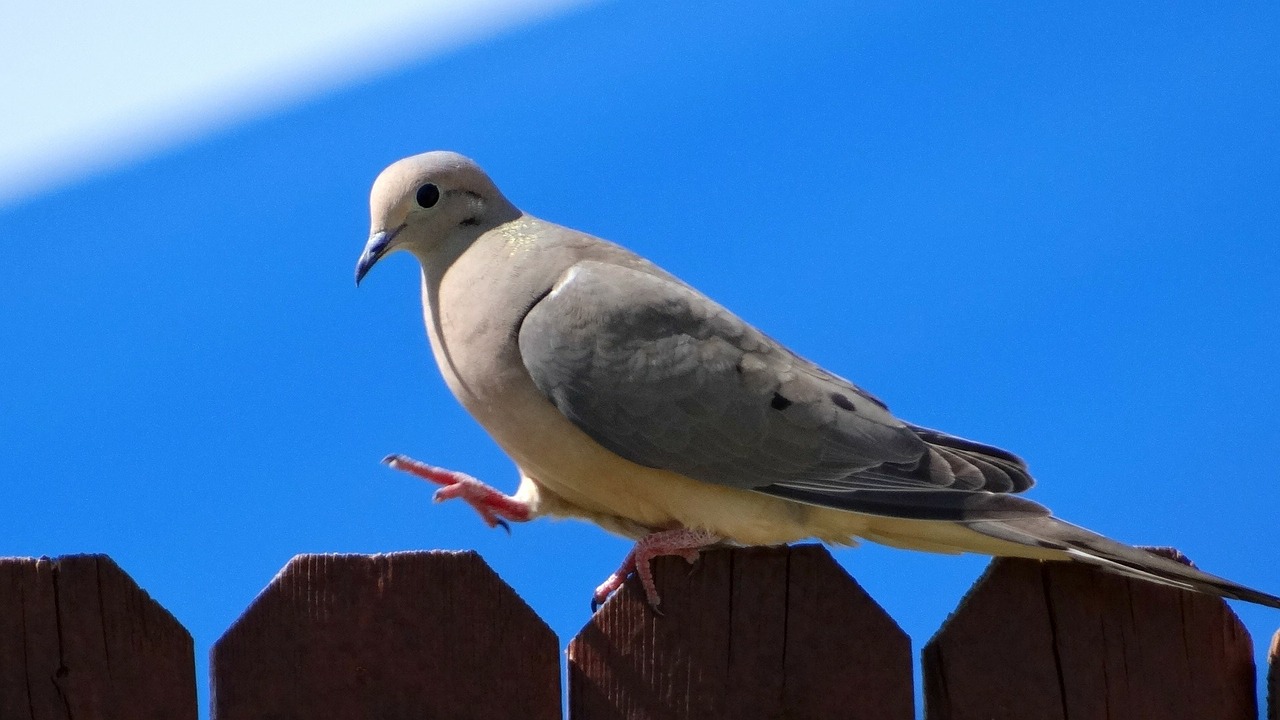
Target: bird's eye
428 195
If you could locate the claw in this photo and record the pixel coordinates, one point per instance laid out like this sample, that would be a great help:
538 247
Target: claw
681 542
611 584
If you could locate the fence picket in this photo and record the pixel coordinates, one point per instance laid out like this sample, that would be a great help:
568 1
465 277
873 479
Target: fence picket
1065 641
78 638
749 632
398 636
1273 678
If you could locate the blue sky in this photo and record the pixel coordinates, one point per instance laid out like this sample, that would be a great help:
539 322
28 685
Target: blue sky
1051 229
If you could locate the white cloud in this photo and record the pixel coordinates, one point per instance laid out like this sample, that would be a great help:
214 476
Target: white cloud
89 84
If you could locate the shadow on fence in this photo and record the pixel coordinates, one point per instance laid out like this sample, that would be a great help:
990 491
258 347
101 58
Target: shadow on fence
748 633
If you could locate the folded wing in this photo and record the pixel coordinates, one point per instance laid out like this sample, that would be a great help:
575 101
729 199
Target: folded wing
664 377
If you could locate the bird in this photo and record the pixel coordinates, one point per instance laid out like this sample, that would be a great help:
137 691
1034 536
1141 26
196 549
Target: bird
629 399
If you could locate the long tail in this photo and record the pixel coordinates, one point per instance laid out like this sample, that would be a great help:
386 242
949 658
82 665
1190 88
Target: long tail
1089 547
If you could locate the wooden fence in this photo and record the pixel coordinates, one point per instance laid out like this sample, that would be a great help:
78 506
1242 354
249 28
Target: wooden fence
749 633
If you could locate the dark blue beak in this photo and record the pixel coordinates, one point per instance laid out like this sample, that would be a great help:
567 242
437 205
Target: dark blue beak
378 245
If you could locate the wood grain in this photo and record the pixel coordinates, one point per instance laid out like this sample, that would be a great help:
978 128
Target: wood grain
744 633
79 639
1068 642
399 636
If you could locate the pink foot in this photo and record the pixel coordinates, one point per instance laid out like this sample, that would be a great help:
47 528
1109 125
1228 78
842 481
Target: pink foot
494 507
683 542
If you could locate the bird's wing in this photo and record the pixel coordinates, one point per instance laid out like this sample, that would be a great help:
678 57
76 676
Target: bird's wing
664 377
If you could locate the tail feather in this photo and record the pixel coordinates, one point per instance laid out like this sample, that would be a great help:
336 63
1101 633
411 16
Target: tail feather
1089 547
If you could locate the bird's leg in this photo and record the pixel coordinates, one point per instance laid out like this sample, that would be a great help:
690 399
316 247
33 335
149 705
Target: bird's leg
494 507
682 541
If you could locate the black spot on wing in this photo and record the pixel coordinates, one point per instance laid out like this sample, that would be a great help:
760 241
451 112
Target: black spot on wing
842 401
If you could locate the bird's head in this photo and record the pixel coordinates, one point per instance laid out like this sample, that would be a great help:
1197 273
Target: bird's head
428 202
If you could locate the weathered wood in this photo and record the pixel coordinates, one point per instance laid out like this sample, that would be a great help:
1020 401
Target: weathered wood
1273 678
744 633
79 639
1068 642
399 636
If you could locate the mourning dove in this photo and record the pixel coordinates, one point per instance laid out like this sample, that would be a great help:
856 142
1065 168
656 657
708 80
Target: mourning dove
627 398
